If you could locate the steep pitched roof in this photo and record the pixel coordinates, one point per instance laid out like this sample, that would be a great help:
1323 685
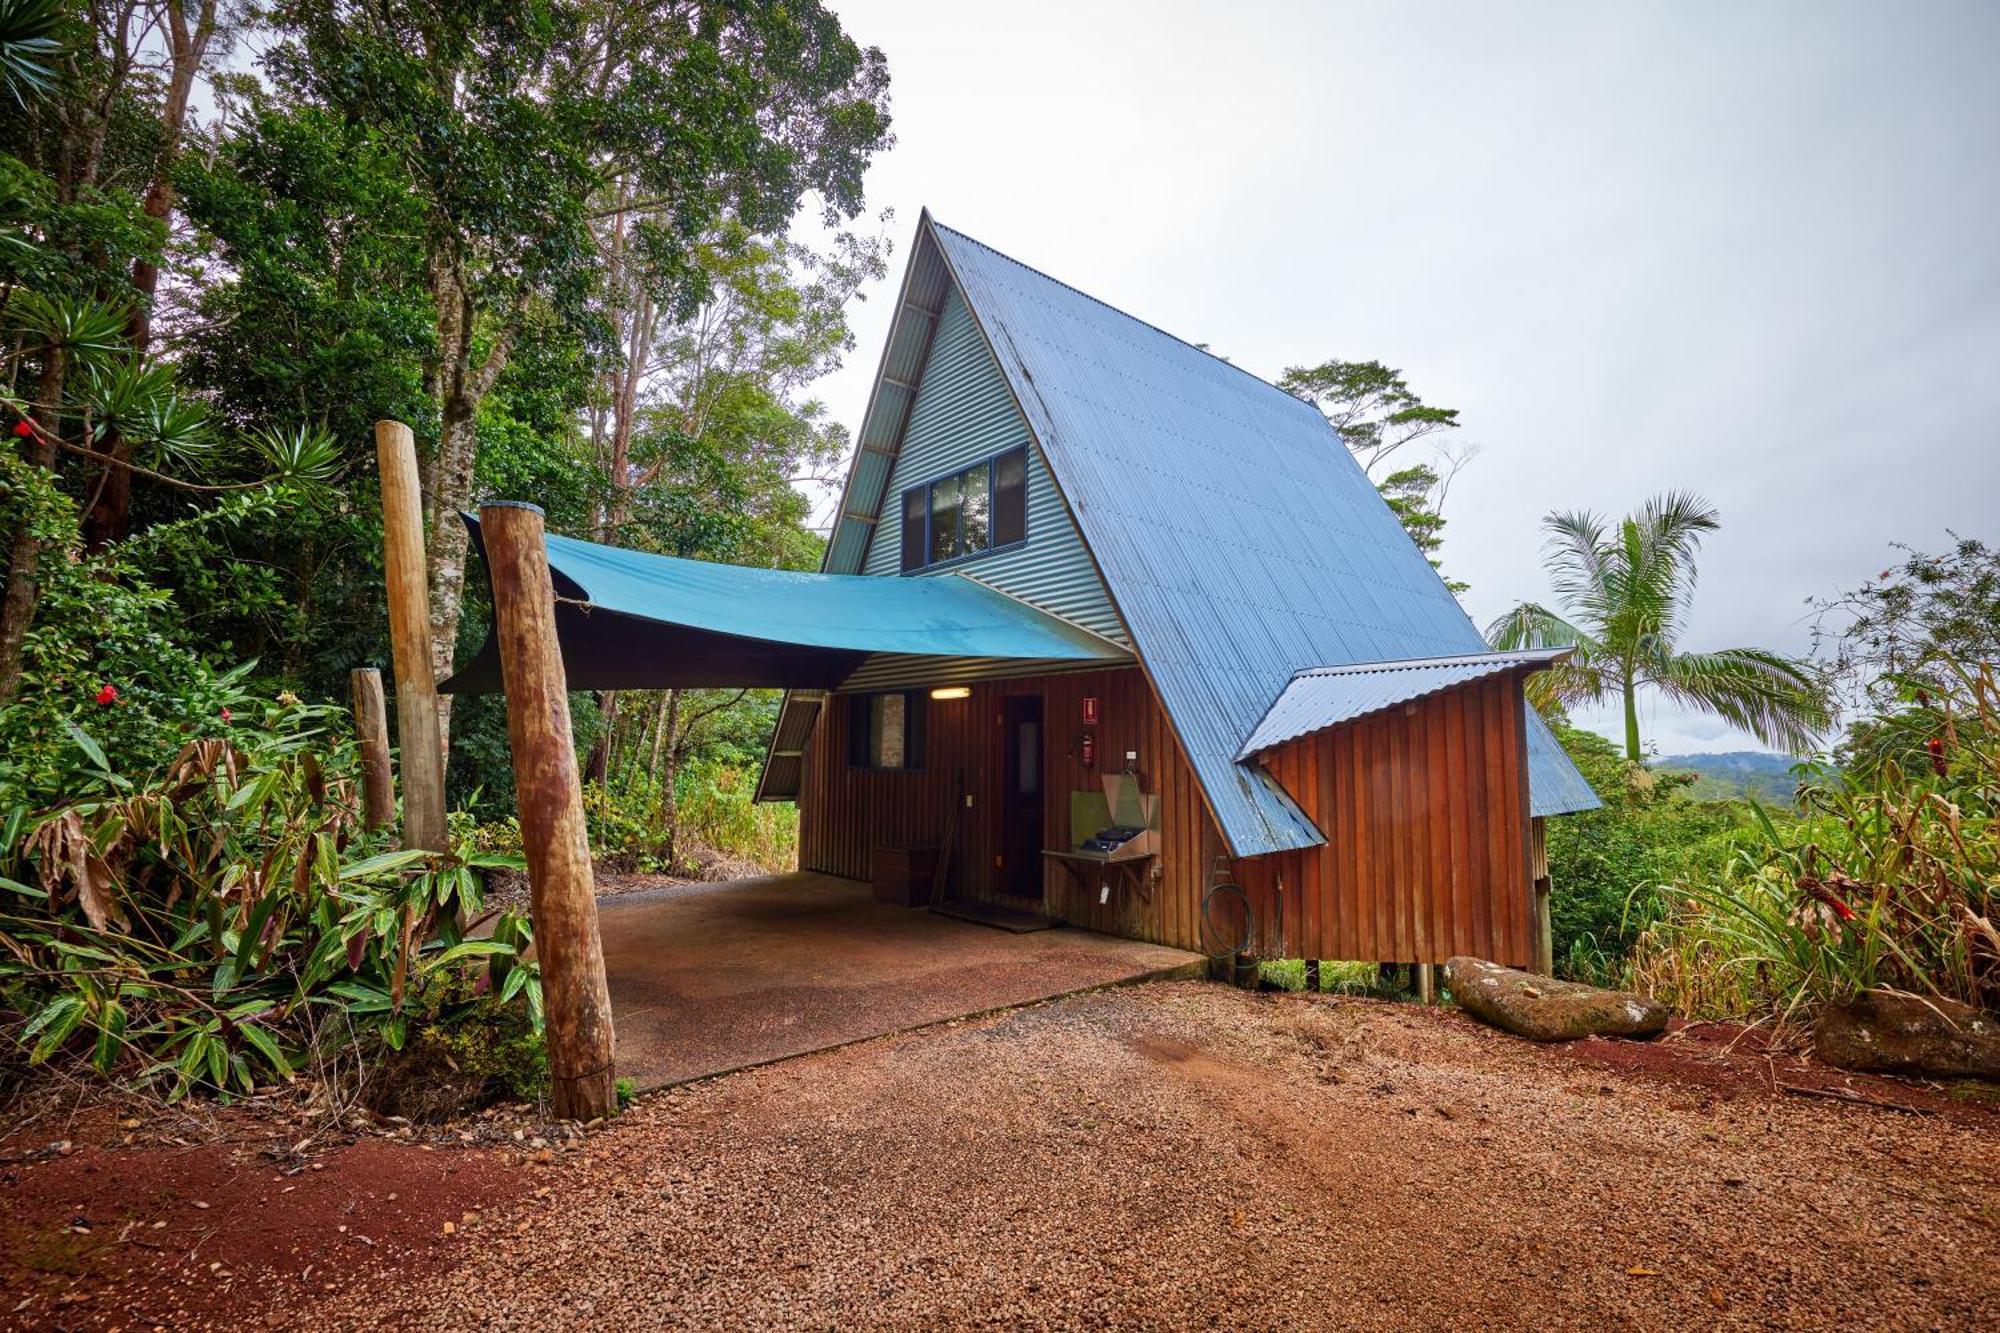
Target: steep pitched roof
1238 537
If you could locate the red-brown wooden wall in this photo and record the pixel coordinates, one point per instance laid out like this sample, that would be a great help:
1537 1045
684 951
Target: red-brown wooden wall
1425 810
846 812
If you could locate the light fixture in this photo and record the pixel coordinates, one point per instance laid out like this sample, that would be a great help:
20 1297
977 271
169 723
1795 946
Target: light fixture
952 692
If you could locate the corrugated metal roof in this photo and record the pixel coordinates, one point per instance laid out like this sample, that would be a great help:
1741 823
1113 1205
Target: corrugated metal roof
1322 697
1235 532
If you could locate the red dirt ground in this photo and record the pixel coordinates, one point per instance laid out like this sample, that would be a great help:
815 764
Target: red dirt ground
112 1233
105 1235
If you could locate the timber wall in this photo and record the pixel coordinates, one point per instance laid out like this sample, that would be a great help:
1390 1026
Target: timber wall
1425 809
845 812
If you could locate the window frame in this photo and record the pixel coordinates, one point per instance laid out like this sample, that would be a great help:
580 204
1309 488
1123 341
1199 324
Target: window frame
927 489
861 731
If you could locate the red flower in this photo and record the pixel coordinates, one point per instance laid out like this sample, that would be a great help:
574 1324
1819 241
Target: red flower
1936 747
107 695
225 715
1840 909
23 428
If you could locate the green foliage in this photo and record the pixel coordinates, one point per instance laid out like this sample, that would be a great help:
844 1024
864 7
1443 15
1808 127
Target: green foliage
465 1049
31 44
97 627
714 806
718 808
1888 879
1627 590
1608 865
215 921
1378 415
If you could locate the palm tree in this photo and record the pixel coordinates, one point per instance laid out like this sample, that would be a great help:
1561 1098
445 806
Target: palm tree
1625 591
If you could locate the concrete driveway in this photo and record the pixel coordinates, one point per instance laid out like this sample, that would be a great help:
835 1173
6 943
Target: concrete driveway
706 978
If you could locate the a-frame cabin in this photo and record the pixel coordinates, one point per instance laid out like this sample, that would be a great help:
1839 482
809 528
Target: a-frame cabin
1306 707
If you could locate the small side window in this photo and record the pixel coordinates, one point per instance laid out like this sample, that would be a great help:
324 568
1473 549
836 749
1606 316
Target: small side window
1010 497
914 544
886 731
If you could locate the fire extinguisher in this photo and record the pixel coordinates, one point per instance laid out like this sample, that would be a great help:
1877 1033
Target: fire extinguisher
1087 751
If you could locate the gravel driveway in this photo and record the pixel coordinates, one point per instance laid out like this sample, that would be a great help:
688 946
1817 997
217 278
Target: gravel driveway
1180 1155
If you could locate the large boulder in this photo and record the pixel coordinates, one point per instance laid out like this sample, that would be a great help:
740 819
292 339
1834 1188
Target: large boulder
1883 1033
1542 1009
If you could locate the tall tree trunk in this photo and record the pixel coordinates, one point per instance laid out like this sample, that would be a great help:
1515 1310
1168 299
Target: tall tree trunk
17 607
598 766
460 384
110 515
1632 750
638 348
669 775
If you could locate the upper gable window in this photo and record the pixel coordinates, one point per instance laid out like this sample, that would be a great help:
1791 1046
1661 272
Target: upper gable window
966 513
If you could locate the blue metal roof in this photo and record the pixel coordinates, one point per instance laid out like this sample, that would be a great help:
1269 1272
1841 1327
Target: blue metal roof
1322 697
1237 535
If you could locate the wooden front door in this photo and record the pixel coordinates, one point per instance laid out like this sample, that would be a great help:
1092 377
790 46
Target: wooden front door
1021 803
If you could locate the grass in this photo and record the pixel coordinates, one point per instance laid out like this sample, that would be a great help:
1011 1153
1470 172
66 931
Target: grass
1334 977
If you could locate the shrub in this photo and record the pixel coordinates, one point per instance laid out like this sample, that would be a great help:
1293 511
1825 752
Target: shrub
1888 880
1607 865
714 808
211 923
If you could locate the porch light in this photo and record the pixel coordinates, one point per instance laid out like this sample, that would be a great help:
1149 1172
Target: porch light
952 692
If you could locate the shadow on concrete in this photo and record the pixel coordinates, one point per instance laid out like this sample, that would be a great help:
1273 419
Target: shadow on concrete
706 978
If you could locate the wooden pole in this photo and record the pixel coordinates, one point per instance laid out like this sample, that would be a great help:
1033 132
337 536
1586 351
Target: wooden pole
1545 935
549 797
409 637
371 734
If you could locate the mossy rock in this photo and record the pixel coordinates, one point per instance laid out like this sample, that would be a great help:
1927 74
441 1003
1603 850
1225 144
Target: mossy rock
1880 1032
1543 1009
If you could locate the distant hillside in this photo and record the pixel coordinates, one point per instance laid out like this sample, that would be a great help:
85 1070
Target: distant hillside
1735 773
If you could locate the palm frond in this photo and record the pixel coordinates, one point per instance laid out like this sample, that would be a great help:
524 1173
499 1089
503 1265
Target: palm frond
1577 549
1779 700
1581 679
31 48
1669 531
1531 625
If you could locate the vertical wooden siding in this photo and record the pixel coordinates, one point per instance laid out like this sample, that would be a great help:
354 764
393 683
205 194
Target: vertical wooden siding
1425 811
846 812
1426 815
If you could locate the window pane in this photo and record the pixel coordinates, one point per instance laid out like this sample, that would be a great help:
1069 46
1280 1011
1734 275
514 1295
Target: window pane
975 498
886 741
913 528
944 518
1010 497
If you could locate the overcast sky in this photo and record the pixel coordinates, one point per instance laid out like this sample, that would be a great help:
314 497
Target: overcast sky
1750 249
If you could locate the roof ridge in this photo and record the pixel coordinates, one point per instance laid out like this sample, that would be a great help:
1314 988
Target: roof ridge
1450 659
1144 323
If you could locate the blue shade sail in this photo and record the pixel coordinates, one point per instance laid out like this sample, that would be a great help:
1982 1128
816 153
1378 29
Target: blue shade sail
633 620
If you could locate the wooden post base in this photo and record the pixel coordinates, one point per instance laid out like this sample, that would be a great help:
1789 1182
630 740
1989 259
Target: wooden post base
586 1096
1427 991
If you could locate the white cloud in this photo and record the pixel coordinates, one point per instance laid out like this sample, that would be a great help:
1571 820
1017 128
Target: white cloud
1740 249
